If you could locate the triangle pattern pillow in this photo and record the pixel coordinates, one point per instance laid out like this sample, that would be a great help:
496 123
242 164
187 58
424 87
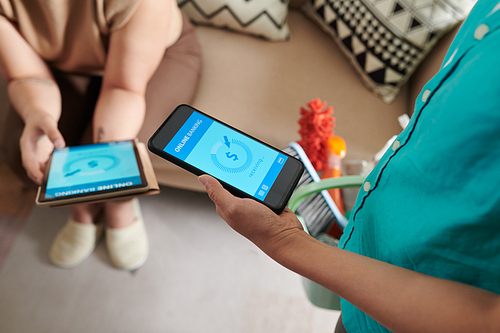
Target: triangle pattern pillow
262 18
386 40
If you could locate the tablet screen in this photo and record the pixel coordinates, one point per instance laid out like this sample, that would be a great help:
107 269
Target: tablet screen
90 169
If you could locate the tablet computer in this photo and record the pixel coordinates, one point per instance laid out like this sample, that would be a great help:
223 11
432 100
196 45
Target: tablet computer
92 172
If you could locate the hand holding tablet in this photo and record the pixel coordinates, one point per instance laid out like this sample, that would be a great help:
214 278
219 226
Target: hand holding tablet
95 172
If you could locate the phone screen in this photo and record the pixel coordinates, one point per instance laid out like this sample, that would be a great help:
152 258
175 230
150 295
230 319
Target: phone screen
86 169
227 154
203 144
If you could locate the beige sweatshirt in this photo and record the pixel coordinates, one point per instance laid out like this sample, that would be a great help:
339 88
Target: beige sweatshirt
71 35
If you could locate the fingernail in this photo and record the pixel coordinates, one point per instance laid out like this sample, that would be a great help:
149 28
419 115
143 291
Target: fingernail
203 180
59 143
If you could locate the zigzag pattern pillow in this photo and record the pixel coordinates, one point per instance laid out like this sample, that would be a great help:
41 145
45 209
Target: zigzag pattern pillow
386 40
263 18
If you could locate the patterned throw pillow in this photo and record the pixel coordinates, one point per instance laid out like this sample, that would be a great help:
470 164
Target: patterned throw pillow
385 40
263 18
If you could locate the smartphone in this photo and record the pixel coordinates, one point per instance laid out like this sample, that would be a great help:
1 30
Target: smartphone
245 166
101 170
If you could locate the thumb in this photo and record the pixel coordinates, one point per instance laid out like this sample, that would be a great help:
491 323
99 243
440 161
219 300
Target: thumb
49 127
218 194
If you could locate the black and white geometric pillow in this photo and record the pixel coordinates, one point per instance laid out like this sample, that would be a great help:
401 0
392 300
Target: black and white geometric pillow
385 40
263 18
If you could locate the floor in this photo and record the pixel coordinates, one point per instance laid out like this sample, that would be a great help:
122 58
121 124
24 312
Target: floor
200 275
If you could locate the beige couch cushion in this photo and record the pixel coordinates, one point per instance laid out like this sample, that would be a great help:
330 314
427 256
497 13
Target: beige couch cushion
259 87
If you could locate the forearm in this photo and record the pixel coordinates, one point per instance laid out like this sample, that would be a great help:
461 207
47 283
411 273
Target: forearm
135 51
38 102
119 115
31 87
399 299
34 97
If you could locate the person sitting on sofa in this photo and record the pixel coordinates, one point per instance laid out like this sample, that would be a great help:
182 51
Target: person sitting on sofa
421 251
117 65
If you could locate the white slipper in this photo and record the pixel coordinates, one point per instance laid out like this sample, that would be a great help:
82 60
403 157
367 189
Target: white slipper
74 243
128 247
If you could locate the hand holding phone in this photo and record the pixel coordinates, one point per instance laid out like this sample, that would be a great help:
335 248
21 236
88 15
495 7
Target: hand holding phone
245 166
250 219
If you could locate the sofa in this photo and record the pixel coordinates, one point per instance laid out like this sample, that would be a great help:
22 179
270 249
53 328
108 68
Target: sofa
259 86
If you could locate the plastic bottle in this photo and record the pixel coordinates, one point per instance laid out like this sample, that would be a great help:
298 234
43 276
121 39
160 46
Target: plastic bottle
336 152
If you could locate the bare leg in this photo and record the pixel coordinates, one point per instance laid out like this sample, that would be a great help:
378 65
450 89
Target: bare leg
119 214
86 213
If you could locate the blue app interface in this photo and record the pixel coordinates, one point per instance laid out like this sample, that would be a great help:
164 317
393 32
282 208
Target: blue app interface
92 168
227 154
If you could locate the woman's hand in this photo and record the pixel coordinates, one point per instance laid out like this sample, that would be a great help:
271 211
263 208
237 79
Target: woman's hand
34 154
396 297
34 95
251 219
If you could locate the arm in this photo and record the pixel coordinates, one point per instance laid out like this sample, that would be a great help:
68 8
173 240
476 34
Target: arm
399 299
33 94
135 52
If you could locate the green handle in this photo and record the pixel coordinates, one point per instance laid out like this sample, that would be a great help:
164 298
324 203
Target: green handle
324 184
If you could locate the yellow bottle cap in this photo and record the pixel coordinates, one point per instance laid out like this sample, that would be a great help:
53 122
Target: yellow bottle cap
336 145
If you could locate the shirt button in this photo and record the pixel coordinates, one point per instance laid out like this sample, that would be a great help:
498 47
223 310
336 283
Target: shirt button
367 186
425 95
481 31
396 145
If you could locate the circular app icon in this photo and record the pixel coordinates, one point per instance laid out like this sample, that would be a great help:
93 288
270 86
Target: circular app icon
90 166
231 156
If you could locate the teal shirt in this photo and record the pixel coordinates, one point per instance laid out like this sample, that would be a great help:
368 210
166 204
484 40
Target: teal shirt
432 203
